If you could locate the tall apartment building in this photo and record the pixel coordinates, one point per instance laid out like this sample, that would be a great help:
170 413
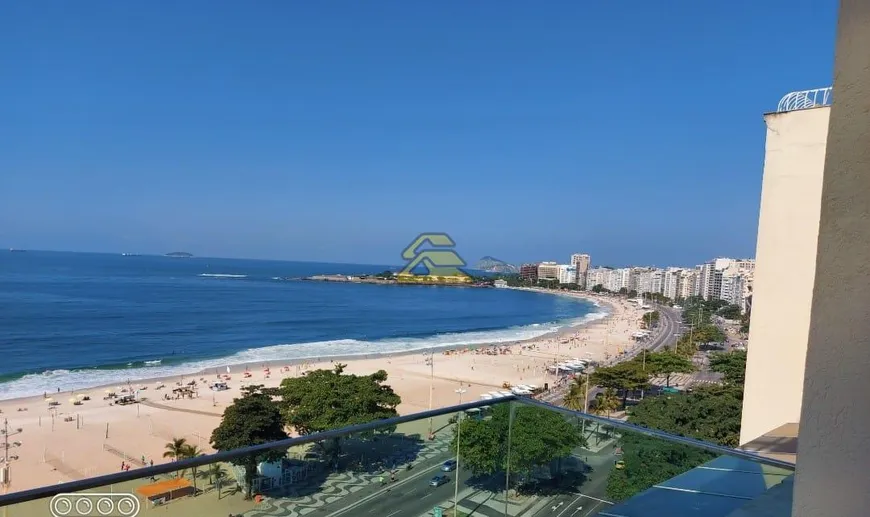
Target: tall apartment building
597 276
548 271
567 274
688 283
529 272
731 286
671 282
650 281
581 261
785 270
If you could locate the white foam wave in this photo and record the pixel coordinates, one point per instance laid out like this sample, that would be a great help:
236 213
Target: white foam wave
66 380
222 275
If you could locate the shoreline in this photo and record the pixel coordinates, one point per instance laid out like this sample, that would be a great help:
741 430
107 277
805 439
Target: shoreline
70 441
309 359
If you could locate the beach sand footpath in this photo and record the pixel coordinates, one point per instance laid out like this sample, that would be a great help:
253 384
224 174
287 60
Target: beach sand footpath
77 441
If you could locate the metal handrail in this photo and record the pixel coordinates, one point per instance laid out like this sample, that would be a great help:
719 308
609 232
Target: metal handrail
227 456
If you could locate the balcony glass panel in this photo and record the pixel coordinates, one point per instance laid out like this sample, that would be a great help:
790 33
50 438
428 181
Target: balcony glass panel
515 458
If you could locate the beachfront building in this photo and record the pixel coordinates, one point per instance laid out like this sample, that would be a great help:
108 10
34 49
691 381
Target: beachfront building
732 287
567 274
671 282
687 284
581 261
597 276
529 272
548 271
650 281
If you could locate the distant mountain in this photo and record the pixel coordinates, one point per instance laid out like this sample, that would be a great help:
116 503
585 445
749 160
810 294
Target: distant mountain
494 265
179 254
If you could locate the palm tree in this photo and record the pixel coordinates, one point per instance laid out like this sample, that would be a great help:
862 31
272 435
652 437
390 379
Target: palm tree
576 397
216 472
192 451
606 402
176 450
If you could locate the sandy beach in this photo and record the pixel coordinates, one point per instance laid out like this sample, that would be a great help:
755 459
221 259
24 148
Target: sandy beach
73 441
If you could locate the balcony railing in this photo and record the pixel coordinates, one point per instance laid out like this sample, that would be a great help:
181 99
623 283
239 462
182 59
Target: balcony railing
806 99
516 457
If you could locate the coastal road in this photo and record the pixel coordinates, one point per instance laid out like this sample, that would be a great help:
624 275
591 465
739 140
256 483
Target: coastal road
663 337
410 495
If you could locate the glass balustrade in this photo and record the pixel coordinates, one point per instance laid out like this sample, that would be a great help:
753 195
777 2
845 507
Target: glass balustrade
516 458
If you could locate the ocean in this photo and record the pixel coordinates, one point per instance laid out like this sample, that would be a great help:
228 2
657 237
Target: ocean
75 320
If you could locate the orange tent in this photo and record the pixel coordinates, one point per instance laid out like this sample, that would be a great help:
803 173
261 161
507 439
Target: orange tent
169 489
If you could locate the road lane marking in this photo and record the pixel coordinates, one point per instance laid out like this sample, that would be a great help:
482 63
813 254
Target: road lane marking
394 513
594 506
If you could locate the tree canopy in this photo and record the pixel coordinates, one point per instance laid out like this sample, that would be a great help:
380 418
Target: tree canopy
731 364
575 398
649 462
252 419
537 437
710 413
626 376
329 399
666 363
730 312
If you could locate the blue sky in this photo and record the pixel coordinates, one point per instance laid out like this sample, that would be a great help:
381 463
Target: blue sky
338 131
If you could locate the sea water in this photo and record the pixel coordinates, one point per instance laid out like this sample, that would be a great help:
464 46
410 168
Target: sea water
73 320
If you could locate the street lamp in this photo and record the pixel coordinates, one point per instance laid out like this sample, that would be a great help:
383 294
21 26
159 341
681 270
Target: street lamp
430 362
5 470
459 391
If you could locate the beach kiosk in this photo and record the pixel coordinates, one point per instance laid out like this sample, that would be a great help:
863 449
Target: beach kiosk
164 491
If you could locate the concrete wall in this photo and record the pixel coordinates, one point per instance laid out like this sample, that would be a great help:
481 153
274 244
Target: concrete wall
833 462
788 225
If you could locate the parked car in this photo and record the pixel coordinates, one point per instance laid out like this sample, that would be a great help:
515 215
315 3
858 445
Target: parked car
439 480
448 466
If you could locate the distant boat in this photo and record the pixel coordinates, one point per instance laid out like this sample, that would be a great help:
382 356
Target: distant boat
14 250
179 254
130 255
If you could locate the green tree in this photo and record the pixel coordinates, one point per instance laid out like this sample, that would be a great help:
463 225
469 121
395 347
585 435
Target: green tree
649 462
597 288
731 364
729 312
175 449
625 377
650 319
537 437
215 474
329 399
605 402
250 420
710 413
192 451
575 398
666 363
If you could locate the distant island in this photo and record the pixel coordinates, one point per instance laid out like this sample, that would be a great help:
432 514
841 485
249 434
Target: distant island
494 265
179 254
